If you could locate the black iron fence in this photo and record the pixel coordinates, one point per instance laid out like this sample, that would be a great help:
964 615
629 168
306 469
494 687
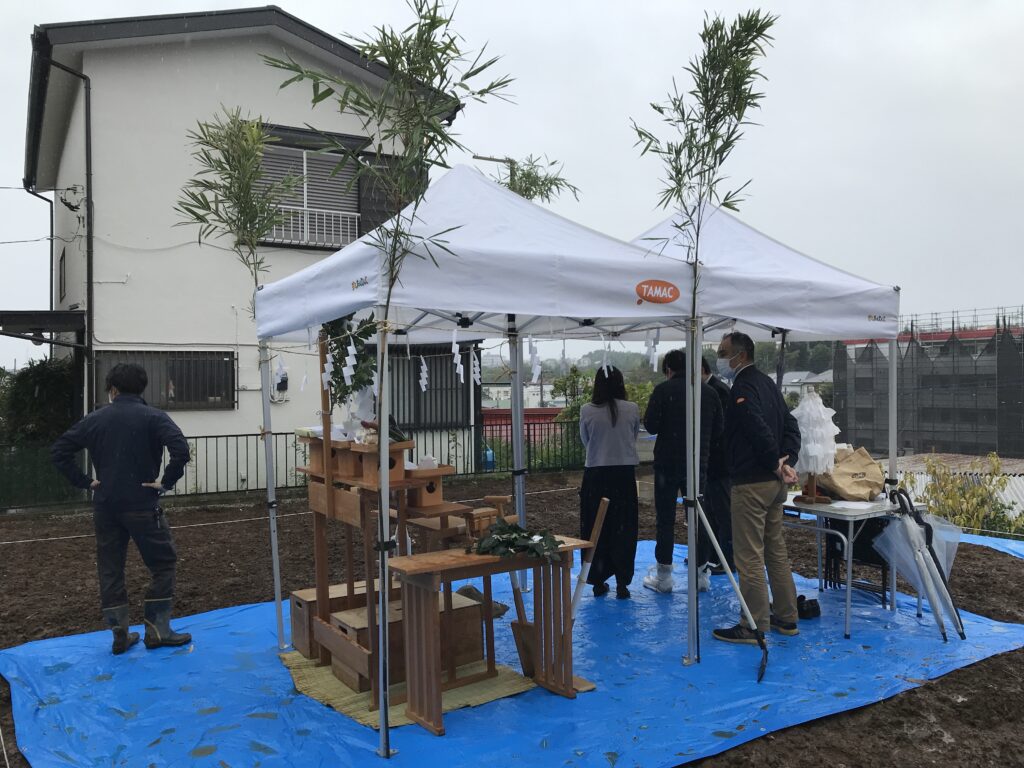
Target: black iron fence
236 463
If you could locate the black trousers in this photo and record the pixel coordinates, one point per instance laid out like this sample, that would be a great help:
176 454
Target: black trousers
151 534
616 548
669 485
717 507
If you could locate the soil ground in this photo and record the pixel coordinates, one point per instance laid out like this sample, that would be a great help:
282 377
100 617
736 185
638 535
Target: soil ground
970 717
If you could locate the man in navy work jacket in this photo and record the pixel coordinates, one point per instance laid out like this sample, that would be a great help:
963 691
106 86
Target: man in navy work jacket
666 417
126 441
762 443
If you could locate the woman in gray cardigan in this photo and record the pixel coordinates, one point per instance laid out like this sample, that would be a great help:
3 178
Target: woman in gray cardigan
608 427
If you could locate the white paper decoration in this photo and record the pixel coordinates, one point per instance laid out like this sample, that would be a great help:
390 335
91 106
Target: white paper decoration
817 435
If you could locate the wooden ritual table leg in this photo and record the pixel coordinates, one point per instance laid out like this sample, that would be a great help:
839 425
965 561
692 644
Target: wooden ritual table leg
323 587
488 624
449 632
423 654
556 625
369 536
564 567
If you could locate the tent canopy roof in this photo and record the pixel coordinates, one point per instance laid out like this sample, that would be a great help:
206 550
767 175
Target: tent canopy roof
500 254
747 275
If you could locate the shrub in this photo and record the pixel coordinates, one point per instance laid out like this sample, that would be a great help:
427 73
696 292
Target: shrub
970 499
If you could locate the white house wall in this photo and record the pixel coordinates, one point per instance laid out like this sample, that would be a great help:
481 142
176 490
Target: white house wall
155 288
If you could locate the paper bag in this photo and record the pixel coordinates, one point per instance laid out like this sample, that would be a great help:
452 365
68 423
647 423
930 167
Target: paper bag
856 477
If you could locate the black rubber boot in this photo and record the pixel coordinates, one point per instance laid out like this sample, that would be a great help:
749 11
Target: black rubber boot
117 618
158 626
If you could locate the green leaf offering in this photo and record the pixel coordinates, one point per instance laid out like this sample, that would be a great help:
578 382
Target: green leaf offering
506 539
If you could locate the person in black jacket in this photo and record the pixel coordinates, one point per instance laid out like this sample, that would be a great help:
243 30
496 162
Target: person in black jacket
718 488
762 444
666 418
126 441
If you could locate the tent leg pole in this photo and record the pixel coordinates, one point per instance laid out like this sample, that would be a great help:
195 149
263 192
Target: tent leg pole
693 380
894 356
515 357
384 542
268 451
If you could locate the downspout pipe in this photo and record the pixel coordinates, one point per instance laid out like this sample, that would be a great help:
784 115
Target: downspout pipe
90 383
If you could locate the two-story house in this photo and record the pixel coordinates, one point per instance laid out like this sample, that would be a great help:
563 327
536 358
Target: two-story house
110 105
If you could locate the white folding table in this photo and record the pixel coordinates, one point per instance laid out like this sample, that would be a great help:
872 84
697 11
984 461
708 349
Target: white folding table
851 513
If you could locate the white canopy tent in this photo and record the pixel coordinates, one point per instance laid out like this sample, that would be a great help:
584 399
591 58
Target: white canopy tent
508 266
750 282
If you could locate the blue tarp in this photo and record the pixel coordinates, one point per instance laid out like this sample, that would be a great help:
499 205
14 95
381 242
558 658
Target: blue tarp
229 700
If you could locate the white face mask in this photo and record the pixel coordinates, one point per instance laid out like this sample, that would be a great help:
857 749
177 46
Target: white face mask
725 370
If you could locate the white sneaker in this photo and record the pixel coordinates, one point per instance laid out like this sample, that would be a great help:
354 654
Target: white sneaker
704 578
659 578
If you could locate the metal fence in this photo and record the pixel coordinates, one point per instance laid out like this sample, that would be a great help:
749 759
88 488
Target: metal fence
236 463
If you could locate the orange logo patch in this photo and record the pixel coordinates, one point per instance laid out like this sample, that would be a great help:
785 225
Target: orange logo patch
657 291
740 400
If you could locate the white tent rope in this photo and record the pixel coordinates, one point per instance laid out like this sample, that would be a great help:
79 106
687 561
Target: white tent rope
3 748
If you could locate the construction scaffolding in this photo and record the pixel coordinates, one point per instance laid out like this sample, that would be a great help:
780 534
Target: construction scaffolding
961 385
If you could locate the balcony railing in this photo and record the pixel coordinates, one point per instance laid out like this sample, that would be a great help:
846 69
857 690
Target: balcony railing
315 227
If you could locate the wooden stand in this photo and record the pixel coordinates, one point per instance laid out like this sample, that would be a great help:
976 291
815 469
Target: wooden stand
337 624
429 672
810 494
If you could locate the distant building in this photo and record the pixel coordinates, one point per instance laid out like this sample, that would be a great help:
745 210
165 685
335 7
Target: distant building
958 392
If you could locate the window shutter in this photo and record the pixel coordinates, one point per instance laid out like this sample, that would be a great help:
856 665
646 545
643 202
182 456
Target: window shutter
327 192
279 162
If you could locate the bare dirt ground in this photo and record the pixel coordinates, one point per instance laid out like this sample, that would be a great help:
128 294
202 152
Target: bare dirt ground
971 717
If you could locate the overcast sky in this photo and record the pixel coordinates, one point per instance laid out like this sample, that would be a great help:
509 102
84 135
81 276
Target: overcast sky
889 145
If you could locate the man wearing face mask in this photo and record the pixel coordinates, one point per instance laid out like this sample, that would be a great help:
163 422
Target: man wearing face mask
126 441
762 443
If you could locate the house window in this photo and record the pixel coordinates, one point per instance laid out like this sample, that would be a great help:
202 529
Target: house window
62 274
183 380
323 211
445 404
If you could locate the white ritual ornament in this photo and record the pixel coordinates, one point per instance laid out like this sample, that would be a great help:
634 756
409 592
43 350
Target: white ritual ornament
475 371
817 435
456 357
424 377
535 366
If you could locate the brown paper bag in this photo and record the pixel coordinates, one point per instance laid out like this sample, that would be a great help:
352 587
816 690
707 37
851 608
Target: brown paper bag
856 477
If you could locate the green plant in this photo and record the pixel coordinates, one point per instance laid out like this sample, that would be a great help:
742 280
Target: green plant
37 401
534 179
707 123
229 197
407 119
507 539
970 498
340 333
575 386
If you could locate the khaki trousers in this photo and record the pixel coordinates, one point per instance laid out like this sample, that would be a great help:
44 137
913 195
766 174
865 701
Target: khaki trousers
758 542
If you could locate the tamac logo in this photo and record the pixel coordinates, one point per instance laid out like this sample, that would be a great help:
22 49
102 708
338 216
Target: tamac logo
877 318
656 292
360 282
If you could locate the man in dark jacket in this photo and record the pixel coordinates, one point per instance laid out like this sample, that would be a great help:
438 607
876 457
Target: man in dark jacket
718 488
666 417
126 441
762 444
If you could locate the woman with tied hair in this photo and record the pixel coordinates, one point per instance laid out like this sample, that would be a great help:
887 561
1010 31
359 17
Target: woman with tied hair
609 425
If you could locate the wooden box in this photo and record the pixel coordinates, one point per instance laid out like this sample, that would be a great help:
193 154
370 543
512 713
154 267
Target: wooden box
371 463
467 631
432 493
347 504
303 609
347 462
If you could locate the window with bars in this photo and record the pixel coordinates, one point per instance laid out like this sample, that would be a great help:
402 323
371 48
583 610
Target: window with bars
445 404
183 380
323 211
